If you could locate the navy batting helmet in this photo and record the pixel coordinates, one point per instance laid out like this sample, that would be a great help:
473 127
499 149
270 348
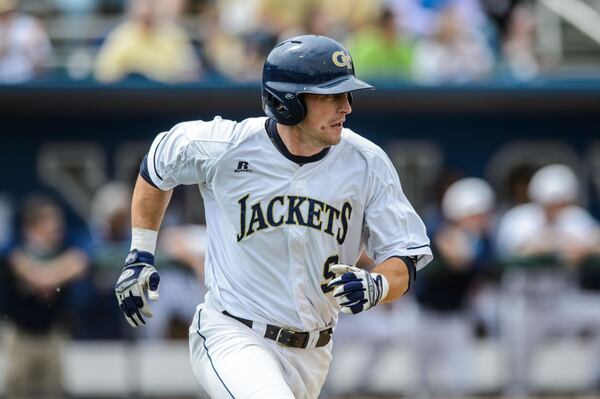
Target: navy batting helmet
305 64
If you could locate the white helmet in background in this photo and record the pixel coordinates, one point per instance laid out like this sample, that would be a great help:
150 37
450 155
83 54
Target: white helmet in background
553 184
468 197
109 199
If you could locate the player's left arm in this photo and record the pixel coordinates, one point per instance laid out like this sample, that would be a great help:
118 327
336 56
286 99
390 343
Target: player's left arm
397 239
399 273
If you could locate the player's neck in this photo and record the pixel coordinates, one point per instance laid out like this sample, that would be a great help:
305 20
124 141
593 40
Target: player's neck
296 142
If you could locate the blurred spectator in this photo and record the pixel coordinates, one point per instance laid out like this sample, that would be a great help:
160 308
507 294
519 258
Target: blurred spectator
319 22
420 17
223 50
443 290
334 18
380 51
110 228
499 12
238 17
149 43
25 49
237 57
76 54
351 14
279 16
40 269
518 45
453 54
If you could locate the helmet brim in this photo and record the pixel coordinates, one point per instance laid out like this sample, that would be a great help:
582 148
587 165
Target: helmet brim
346 84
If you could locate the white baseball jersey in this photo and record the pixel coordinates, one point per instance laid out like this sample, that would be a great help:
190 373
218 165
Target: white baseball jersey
275 227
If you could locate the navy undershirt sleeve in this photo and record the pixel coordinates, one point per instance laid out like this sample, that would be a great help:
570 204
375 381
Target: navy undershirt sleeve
410 262
145 173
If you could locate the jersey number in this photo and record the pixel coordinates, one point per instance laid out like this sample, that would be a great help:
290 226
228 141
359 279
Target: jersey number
328 274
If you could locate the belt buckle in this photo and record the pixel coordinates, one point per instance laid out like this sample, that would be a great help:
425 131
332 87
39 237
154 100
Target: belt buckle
285 336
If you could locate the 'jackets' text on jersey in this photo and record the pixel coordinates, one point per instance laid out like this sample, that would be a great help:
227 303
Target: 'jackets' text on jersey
293 210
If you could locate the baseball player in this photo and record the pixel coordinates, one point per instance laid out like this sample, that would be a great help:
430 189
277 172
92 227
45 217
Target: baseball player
290 199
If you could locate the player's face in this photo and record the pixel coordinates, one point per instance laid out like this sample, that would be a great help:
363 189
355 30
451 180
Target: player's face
325 117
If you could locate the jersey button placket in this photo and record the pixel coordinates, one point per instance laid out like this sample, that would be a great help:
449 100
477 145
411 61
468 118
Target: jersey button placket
297 251
297 234
300 187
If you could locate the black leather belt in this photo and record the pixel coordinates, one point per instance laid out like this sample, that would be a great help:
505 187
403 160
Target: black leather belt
286 337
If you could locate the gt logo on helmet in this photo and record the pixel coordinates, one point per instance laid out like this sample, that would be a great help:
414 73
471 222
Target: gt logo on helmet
342 59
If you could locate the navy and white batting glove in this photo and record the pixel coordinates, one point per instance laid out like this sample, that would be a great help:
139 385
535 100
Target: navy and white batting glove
138 275
357 289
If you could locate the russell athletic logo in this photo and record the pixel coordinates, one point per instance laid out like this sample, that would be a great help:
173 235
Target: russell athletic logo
243 167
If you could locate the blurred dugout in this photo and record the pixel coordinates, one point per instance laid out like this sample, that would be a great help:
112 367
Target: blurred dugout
550 246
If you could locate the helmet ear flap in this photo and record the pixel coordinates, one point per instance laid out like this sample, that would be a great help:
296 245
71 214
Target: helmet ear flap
277 105
288 109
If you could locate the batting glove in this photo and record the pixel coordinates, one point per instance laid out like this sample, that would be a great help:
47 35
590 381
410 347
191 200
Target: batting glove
138 274
356 289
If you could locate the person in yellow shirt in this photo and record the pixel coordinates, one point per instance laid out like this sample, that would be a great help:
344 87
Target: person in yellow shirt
380 51
148 43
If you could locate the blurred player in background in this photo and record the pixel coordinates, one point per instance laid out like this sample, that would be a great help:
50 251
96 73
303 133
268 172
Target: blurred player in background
110 230
545 242
40 270
289 200
444 290
552 224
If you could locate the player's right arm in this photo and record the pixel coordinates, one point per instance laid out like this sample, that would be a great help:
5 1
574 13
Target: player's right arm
184 155
148 207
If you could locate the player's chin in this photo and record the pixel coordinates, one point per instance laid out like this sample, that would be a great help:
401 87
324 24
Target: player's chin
335 134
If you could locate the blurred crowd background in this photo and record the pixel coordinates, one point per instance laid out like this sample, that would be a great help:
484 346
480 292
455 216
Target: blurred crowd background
507 183
175 41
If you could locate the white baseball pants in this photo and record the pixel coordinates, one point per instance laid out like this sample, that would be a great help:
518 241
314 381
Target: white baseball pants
231 360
